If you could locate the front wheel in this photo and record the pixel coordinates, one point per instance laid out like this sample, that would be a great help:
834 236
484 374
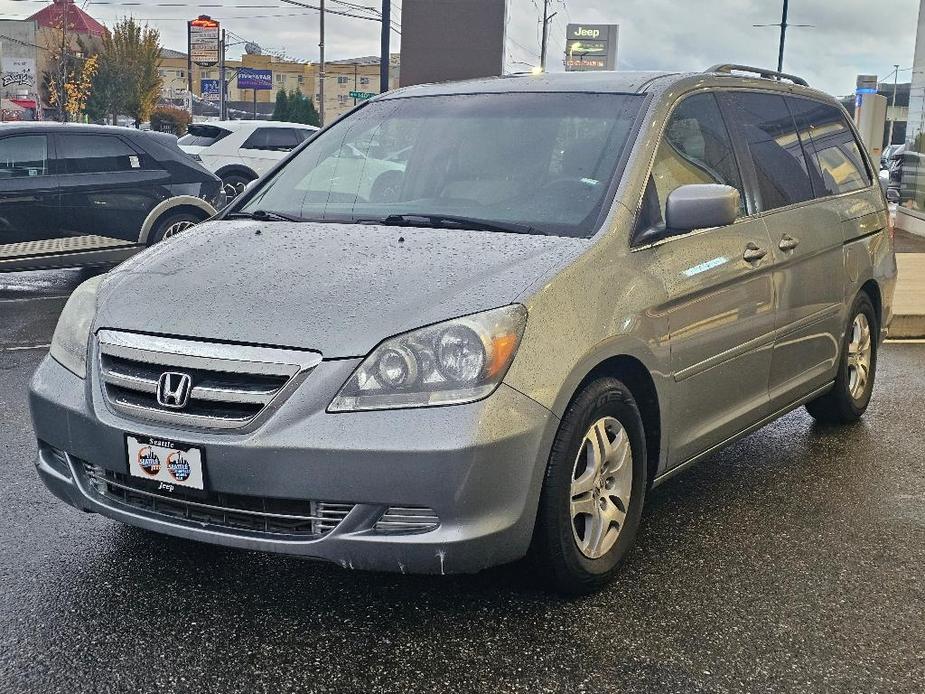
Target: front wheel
173 223
847 401
594 489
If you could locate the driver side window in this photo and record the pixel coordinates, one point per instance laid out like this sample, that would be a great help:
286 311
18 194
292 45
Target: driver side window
696 148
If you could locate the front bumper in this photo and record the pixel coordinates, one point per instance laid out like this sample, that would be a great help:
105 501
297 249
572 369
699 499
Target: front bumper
478 466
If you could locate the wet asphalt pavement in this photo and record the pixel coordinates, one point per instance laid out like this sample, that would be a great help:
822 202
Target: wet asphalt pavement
791 562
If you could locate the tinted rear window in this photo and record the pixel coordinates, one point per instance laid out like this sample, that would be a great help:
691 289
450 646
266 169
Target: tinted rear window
273 139
774 144
96 154
200 135
832 150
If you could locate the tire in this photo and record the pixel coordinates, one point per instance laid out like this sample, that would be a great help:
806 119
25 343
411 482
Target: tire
847 401
234 184
172 223
564 547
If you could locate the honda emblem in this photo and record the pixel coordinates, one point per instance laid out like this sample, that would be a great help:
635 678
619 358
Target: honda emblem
173 390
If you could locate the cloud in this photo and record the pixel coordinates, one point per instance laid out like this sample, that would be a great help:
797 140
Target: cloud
848 37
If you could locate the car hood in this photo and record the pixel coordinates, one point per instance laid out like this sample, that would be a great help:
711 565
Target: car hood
336 288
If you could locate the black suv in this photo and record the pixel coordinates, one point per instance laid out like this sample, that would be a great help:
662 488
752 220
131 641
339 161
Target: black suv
89 195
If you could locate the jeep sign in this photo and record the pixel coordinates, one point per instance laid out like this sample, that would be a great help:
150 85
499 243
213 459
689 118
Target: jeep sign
591 47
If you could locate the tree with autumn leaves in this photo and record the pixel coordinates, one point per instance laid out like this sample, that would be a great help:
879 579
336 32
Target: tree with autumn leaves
127 81
107 77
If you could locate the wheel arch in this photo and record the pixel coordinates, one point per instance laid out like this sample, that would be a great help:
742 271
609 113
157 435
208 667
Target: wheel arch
175 204
636 376
872 289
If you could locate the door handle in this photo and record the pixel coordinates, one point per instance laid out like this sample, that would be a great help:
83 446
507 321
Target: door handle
753 254
788 243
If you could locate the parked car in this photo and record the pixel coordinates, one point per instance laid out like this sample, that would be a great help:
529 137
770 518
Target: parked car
891 178
887 155
578 286
240 151
84 194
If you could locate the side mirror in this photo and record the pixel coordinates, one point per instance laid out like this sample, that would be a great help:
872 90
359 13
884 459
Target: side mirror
700 206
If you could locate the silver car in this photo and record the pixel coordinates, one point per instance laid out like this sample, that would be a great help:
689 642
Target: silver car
572 287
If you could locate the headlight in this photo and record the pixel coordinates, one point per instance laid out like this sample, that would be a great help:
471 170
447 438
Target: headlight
69 343
449 363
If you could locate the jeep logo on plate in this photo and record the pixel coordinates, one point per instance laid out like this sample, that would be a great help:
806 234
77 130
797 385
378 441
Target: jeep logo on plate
173 389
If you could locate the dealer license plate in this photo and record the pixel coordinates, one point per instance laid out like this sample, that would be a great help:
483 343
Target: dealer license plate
170 463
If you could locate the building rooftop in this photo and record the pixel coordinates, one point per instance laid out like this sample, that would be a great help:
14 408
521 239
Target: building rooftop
60 11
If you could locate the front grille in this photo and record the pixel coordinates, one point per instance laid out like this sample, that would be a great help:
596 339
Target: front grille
407 519
254 515
231 384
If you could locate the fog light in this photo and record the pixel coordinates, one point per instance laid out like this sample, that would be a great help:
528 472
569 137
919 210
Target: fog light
407 519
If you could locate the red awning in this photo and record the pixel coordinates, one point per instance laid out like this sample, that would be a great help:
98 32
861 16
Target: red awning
24 103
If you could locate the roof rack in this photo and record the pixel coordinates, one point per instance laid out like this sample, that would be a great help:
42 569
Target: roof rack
760 71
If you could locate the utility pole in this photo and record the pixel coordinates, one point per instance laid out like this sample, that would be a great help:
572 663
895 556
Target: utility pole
321 67
221 78
385 52
889 140
547 18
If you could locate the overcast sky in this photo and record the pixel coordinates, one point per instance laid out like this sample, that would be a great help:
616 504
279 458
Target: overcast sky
848 37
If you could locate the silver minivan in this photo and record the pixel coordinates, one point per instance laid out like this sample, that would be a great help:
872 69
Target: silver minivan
473 322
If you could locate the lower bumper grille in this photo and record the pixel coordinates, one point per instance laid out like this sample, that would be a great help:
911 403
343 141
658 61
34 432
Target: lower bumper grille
253 515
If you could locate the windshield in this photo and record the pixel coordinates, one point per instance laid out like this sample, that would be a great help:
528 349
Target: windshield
542 161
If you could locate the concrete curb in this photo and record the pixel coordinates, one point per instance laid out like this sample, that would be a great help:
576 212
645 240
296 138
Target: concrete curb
906 327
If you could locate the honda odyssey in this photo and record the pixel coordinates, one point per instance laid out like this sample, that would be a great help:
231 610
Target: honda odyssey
574 287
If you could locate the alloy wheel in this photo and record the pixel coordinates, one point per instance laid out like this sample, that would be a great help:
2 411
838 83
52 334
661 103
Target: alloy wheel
860 354
177 227
602 482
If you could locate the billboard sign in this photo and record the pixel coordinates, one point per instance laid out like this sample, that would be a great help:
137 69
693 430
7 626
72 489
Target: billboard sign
210 90
203 41
438 40
591 47
250 78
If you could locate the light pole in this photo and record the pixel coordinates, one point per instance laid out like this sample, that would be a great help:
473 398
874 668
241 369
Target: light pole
783 37
889 140
784 25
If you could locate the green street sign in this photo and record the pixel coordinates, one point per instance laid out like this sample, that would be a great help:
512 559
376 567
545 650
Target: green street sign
362 95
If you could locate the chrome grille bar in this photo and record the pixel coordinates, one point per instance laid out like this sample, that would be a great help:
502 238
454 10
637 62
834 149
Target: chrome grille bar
231 384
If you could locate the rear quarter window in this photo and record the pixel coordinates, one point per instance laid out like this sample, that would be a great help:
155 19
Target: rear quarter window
274 139
831 147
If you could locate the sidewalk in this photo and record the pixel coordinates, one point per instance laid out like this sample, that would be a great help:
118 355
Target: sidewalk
909 299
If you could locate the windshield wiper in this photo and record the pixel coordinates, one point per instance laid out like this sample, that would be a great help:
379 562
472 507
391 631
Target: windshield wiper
437 221
265 216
